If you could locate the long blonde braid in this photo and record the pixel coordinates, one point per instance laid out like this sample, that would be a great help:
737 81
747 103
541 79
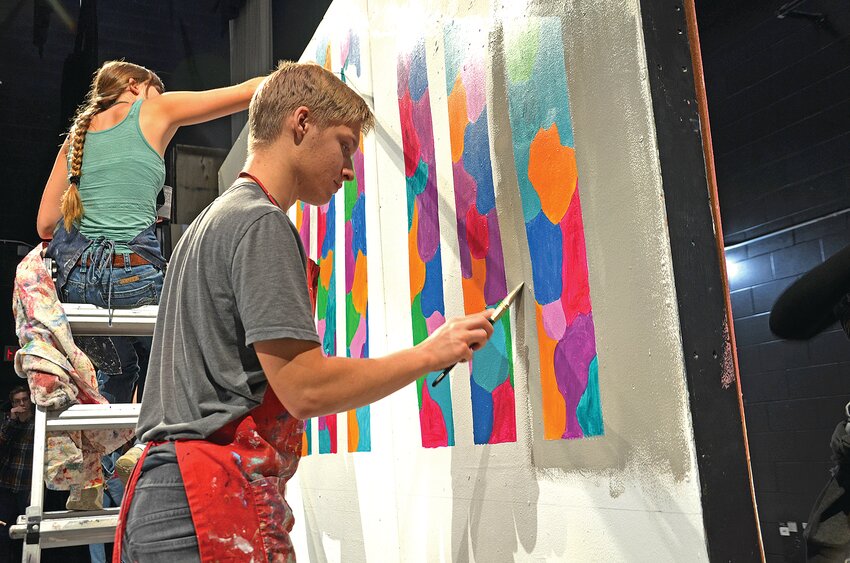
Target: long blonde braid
109 83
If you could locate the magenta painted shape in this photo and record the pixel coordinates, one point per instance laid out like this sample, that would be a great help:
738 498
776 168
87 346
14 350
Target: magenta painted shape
504 414
477 234
573 355
465 193
575 292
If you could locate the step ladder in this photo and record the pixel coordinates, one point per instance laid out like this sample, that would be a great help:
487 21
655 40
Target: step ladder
65 528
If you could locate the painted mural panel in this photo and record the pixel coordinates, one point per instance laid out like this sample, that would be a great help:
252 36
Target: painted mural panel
356 279
544 152
326 294
479 238
302 224
425 265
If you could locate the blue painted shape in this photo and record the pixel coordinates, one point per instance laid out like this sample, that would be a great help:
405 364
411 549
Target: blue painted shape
418 82
589 408
476 160
353 53
364 442
546 249
482 414
358 226
432 292
330 229
490 366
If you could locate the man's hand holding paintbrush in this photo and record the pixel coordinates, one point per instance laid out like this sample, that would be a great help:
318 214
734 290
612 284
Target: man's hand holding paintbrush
494 316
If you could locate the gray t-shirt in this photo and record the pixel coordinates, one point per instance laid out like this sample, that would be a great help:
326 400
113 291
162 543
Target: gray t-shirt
236 277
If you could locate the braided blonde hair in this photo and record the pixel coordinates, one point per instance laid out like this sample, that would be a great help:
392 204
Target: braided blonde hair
110 81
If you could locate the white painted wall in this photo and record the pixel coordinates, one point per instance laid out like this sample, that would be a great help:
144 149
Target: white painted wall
631 495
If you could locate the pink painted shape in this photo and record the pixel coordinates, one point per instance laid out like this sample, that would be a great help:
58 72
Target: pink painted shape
472 74
321 326
575 295
504 414
573 355
435 321
554 322
465 194
431 422
349 257
359 339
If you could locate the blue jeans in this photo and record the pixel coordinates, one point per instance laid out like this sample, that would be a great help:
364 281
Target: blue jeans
120 287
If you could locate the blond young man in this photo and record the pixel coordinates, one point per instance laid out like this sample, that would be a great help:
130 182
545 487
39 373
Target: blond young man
236 363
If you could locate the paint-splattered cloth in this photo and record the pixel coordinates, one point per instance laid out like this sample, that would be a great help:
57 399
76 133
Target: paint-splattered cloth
59 375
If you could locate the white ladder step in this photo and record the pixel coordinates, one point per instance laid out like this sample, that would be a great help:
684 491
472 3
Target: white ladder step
88 320
68 528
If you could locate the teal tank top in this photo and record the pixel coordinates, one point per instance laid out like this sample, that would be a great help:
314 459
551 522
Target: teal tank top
121 177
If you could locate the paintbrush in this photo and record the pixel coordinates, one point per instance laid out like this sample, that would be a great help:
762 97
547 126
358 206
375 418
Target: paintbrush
497 314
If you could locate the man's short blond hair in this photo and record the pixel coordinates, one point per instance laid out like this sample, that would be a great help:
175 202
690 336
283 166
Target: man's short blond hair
292 85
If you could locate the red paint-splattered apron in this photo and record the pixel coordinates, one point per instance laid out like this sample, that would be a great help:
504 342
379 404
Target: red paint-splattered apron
235 482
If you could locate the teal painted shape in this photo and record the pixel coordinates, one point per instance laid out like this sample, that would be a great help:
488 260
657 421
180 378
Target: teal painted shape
490 365
453 40
589 409
415 186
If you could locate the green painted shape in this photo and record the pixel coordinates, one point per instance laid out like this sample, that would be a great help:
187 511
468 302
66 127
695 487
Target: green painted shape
522 50
350 198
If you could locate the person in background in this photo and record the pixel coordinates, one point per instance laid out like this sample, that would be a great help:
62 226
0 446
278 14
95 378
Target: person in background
16 435
99 204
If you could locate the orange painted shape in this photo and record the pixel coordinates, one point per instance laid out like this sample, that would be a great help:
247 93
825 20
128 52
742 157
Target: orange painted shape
473 288
552 171
458 119
328 65
359 291
304 449
417 266
326 269
353 431
554 406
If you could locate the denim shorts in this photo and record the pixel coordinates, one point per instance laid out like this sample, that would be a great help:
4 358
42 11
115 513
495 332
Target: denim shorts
132 286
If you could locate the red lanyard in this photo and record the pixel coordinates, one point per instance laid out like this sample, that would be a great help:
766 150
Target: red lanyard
262 187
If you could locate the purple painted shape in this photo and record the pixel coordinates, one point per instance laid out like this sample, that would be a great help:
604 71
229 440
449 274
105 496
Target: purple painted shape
554 320
465 193
349 259
435 321
495 286
358 171
428 240
573 355
359 339
472 75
